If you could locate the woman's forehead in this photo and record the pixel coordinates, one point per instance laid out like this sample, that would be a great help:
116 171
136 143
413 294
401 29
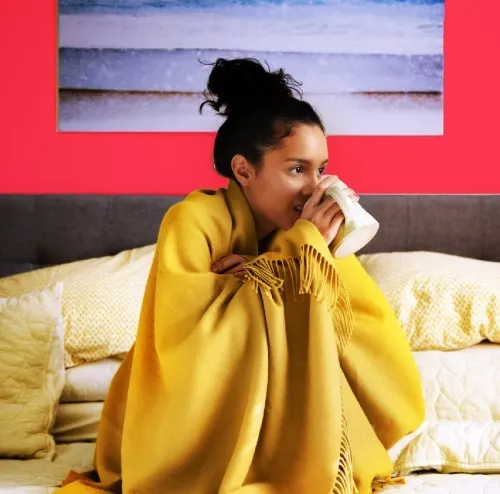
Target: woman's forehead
306 143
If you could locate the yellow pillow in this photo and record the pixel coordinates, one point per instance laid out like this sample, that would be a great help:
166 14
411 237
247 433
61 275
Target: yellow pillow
443 302
102 300
31 372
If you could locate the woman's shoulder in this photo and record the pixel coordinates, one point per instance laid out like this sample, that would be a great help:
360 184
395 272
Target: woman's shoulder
200 203
203 208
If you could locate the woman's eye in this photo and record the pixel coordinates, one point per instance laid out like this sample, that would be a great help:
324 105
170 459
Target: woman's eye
297 169
321 170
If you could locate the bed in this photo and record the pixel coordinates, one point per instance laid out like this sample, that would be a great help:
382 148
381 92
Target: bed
45 230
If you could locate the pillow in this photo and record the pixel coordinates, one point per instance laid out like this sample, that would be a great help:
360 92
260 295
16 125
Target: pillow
448 446
462 428
443 302
31 372
462 385
90 382
102 301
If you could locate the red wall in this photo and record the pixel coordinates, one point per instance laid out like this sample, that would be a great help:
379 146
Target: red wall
35 158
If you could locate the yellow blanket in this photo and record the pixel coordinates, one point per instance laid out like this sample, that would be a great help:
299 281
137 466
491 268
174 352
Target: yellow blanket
293 381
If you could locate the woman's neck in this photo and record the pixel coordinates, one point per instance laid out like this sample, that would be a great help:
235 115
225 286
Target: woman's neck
265 241
263 228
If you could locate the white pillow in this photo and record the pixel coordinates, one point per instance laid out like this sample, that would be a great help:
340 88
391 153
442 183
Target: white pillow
31 372
462 428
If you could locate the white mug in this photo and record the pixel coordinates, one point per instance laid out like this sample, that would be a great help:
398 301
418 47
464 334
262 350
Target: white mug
359 226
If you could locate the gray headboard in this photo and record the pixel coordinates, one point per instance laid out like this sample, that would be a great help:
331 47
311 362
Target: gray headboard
41 230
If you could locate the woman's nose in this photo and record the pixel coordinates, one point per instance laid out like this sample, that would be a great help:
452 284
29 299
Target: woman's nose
309 185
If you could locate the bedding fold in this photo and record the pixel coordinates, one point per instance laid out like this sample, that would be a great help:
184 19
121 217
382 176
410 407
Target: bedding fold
77 422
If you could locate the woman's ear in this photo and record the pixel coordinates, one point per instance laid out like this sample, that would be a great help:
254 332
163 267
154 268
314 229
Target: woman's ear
243 171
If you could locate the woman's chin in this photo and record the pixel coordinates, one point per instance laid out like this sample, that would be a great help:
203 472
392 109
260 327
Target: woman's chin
287 222
291 222
296 215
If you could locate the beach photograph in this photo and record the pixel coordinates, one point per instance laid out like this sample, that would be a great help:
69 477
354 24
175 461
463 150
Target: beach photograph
369 67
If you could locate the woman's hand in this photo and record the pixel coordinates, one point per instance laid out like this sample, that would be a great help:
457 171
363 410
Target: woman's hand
325 214
231 264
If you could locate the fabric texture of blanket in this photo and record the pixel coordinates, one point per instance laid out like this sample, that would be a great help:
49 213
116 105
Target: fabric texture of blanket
297 379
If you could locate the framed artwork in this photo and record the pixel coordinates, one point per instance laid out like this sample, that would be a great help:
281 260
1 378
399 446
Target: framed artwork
369 67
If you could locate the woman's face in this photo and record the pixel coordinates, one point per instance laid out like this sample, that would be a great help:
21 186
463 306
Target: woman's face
278 189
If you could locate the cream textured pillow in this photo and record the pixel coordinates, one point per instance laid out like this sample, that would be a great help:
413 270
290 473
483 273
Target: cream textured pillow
453 447
462 399
443 302
102 301
31 372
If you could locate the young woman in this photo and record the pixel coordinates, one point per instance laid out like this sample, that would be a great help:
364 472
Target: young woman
262 365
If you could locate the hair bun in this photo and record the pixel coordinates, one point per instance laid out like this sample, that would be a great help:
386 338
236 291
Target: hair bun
240 85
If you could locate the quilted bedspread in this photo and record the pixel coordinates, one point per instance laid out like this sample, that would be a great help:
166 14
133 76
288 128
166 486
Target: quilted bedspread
462 429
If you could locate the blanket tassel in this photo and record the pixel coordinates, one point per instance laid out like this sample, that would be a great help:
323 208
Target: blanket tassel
379 484
310 274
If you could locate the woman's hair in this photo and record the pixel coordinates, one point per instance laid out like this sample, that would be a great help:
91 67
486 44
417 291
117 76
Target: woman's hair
260 110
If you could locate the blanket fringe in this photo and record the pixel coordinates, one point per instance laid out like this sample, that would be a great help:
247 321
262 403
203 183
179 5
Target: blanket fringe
310 274
379 484
344 483
313 274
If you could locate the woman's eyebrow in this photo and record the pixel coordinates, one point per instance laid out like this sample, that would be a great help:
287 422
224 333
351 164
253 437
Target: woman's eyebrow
304 161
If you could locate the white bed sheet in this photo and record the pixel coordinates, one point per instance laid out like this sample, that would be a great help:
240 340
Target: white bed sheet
442 483
415 484
38 476
42 477
76 422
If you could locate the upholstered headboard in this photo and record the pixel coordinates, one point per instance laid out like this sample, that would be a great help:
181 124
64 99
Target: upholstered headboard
40 230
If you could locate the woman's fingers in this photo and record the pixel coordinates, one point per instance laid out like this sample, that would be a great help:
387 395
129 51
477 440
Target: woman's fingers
324 212
228 264
327 203
337 220
354 197
333 228
319 191
225 263
237 268
239 272
332 208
